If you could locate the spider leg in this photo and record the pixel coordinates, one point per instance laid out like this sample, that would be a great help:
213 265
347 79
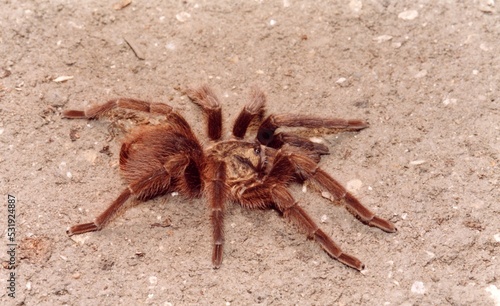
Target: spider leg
277 196
133 104
315 150
151 186
217 191
267 128
97 111
252 109
308 168
208 101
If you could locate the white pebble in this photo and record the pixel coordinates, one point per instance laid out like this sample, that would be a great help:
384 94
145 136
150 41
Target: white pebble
408 15
496 237
417 162
170 46
326 194
153 280
316 139
341 80
356 5
272 22
80 239
449 101
421 74
175 193
495 293
354 185
28 286
183 16
324 218
382 38
63 78
484 47
418 288
304 188
431 255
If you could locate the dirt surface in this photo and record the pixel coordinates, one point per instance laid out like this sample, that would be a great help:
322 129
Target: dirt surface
425 74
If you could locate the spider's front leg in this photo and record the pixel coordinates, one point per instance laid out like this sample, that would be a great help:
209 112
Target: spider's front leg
208 101
254 108
216 190
266 134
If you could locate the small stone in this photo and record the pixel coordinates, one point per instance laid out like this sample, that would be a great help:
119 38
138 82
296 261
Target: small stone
153 280
324 218
449 101
341 80
496 237
356 5
382 38
417 162
408 15
418 288
354 185
326 194
183 16
421 74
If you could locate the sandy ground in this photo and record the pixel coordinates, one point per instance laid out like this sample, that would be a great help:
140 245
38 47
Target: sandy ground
425 74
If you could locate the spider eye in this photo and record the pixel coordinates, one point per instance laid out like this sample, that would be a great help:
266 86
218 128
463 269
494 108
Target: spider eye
256 150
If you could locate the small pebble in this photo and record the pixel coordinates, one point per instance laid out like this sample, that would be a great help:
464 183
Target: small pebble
417 162
495 293
354 185
382 38
324 218
418 288
421 74
408 15
153 280
183 16
356 5
341 80
449 101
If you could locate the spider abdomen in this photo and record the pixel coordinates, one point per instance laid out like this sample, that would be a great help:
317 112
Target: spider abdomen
168 160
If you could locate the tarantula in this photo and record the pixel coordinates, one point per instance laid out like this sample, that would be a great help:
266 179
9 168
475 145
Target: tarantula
155 160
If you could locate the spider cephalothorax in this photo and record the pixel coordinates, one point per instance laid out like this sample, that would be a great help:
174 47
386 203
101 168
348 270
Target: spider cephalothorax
155 160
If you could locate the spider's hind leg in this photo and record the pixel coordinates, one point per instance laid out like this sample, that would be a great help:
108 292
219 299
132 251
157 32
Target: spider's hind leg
262 196
96 111
156 184
308 168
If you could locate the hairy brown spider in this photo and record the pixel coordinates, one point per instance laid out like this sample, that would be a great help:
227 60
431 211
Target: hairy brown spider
155 160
